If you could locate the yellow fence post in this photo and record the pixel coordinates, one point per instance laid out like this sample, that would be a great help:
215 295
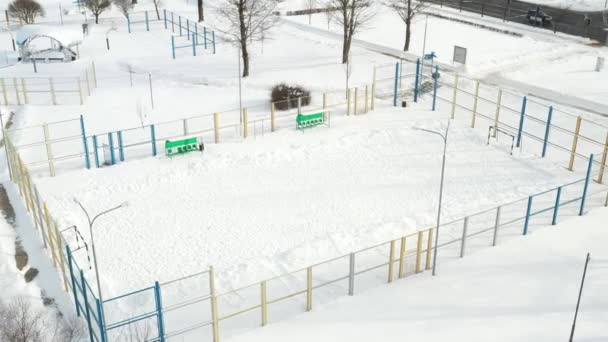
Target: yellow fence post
498 104
52 88
94 74
86 78
577 131
600 177
216 127
79 83
391 261
429 247
373 100
49 235
24 185
272 109
215 327
356 100
454 95
245 125
59 244
49 150
264 302
347 101
4 94
366 99
475 101
309 289
402 259
419 251
31 196
26 99
17 91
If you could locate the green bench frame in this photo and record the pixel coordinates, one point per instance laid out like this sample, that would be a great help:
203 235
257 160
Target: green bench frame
309 120
181 146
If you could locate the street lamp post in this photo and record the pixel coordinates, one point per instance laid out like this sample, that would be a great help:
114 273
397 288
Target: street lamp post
445 144
91 222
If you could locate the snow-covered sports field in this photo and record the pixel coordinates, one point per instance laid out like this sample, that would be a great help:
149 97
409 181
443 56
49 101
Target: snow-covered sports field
289 199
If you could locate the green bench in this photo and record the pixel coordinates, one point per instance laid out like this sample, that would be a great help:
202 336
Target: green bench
309 120
182 146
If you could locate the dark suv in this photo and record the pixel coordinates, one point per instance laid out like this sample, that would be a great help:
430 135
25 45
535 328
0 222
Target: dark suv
538 17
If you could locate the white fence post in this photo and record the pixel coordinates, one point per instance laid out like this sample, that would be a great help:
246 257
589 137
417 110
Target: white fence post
94 74
498 104
17 91
52 87
454 95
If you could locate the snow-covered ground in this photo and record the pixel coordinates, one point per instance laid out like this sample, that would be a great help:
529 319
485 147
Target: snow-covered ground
523 290
263 206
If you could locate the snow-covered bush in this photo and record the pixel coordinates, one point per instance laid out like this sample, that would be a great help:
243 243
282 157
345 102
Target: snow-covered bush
286 96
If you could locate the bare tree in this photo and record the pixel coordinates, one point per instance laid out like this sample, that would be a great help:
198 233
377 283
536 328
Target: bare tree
407 10
157 4
201 11
124 6
246 21
25 10
20 323
97 7
352 15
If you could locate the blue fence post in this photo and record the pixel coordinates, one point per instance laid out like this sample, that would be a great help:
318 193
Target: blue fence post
147 22
213 36
153 137
521 120
111 142
557 197
396 84
188 28
179 23
159 312
173 46
172 23
87 310
193 45
545 142
128 23
436 77
121 148
96 150
582 211
417 80
71 267
205 36
84 143
527 220
165 17
101 323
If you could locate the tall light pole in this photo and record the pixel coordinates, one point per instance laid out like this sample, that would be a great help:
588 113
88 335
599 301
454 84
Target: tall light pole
91 222
445 144
426 25
580 294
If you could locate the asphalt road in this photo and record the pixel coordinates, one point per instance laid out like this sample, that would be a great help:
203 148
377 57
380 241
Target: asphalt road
564 19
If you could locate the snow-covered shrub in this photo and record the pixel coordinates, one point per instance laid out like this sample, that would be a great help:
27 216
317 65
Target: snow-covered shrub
286 96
